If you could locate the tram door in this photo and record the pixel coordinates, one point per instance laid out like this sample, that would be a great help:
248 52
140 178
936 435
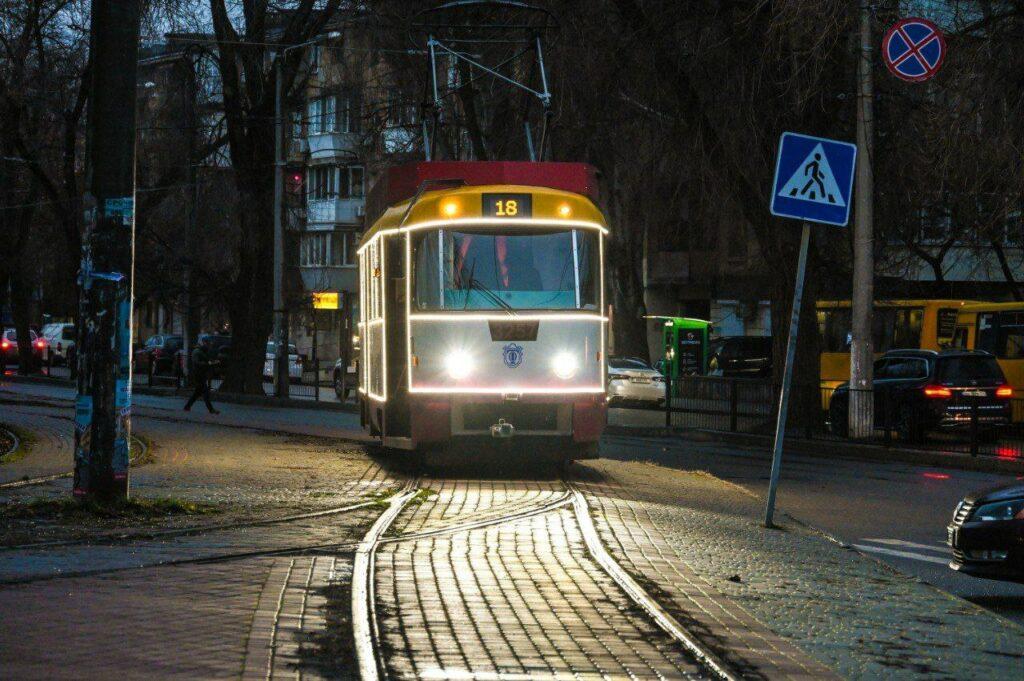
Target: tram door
396 413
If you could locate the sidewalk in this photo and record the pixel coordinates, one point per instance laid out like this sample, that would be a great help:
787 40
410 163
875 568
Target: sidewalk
651 423
786 602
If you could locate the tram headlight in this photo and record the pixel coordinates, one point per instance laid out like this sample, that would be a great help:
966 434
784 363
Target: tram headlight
459 364
565 365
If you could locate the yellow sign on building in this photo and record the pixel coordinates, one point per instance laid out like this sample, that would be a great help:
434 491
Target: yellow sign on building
326 300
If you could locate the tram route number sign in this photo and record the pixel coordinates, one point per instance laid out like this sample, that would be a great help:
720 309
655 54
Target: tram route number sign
507 205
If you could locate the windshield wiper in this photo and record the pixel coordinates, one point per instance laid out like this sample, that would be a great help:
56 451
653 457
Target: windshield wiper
490 295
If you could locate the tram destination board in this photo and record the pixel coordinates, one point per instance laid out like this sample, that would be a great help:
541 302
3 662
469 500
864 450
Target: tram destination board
507 205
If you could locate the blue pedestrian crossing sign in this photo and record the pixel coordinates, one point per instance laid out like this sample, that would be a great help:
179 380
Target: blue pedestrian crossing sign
813 179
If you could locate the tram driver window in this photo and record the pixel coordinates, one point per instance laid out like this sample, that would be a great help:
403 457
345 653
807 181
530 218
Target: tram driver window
524 269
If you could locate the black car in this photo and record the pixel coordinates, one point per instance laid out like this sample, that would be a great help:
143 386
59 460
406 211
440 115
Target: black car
740 356
987 534
916 391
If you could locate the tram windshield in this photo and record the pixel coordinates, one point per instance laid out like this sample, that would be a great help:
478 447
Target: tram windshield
554 269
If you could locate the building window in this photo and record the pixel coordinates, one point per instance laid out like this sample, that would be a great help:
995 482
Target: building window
401 112
296 124
315 249
347 114
328 182
328 249
343 248
321 114
314 59
350 181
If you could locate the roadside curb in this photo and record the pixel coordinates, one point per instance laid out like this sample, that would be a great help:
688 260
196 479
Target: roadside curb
229 398
827 449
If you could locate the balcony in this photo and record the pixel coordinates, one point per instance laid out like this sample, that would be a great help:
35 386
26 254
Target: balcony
296 149
333 145
334 211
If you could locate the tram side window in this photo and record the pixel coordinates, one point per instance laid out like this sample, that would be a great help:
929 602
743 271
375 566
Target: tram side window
906 330
985 335
834 329
425 272
1011 335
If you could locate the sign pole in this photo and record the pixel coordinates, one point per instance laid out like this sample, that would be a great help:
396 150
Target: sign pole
103 405
787 375
860 414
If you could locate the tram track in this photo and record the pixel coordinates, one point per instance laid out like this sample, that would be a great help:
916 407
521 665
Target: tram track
366 632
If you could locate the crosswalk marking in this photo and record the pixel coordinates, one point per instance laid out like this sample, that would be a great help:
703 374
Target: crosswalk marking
912 555
938 546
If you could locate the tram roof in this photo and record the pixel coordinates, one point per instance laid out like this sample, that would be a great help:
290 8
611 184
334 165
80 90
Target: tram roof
1011 306
462 204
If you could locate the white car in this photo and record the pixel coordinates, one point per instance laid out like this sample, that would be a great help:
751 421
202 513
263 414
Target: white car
61 337
633 381
294 363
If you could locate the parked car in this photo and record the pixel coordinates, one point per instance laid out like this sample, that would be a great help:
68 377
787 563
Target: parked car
220 350
9 346
740 356
62 340
916 391
987 534
633 381
160 351
294 363
351 375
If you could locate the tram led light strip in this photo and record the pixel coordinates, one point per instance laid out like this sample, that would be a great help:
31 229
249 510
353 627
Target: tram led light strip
427 224
480 390
505 317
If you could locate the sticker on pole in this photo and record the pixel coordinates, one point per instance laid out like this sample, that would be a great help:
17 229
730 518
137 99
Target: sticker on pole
913 49
813 179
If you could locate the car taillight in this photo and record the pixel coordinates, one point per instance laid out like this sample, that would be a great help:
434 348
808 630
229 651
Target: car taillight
1004 391
937 391
40 344
5 345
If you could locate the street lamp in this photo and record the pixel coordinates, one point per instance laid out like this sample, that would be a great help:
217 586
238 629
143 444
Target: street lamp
280 324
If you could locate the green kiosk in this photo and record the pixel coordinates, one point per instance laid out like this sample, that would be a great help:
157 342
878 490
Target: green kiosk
685 345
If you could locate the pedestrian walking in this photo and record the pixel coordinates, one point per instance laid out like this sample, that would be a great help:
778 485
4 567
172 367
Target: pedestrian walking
202 370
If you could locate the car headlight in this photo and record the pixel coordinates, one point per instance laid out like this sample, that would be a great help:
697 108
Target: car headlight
565 365
999 510
459 364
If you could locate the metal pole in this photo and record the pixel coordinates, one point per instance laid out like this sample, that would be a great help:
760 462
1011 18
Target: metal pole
280 329
787 375
103 405
861 406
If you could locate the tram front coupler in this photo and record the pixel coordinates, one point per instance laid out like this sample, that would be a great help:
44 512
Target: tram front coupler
502 430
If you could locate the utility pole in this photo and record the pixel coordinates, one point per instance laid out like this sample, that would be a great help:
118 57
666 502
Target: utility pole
103 407
861 407
280 322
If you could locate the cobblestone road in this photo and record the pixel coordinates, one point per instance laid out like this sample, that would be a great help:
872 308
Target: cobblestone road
481 575
515 599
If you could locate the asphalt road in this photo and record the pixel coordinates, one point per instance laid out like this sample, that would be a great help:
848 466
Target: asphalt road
894 511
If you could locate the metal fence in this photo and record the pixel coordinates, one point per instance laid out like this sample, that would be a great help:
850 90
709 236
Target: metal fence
742 405
316 381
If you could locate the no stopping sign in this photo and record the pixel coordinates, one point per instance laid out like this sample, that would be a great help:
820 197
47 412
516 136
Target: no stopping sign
913 49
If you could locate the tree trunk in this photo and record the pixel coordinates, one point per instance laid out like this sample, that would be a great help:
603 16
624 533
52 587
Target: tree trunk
21 310
251 316
1004 265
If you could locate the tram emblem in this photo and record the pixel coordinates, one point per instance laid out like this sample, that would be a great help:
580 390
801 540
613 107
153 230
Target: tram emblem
513 355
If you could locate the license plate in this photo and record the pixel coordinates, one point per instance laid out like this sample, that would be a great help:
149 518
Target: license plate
639 379
974 393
